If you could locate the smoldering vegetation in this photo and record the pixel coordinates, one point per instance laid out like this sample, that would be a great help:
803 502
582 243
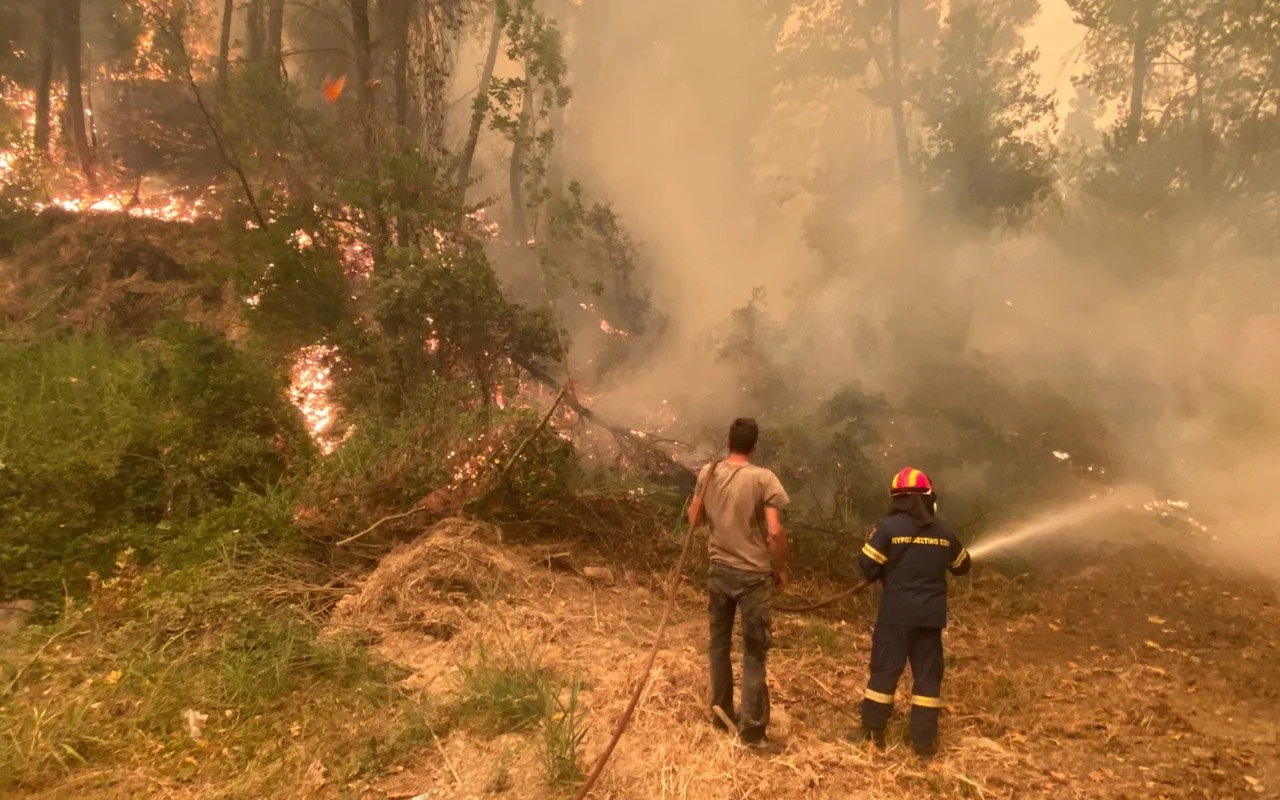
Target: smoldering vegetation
286 283
1045 295
882 228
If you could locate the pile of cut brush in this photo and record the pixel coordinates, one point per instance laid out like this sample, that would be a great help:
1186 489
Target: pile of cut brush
426 586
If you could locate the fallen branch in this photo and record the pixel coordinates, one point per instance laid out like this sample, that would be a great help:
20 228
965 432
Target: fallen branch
514 456
625 436
378 524
443 756
826 701
541 426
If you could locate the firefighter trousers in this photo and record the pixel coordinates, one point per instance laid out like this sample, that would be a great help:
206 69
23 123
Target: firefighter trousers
731 590
892 646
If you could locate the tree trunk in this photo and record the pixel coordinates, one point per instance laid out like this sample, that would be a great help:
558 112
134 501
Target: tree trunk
87 71
1141 35
401 33
44 78
70 24
519 227
255 31
565 14
275 35
364 69
224 48
899 116
481 104
364 94
438 34
402 12
555 160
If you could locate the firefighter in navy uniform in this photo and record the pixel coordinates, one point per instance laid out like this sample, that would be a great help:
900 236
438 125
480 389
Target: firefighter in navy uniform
911 552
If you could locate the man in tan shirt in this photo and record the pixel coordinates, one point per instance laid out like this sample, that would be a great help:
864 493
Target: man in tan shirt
742 504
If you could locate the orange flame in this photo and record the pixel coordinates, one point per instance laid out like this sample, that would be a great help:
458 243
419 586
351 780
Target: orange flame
333 87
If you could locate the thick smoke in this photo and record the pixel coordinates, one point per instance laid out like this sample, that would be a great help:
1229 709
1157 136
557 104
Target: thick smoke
736 184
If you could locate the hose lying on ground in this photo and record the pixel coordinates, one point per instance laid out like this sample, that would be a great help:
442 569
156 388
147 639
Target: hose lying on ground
625 720
644 674
672 591
830 601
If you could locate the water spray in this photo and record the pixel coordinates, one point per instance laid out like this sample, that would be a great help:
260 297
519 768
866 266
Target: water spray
1069 516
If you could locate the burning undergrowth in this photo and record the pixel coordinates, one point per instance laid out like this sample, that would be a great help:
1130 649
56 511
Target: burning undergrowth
439 455
110 272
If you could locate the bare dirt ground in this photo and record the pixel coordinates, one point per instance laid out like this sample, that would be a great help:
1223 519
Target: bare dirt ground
1133 673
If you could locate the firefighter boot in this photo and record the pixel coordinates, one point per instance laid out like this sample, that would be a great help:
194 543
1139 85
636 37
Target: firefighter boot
865 734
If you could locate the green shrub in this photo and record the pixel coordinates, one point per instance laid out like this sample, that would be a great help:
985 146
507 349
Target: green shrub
113 681
505 697
563 730
107 446
518 694
439 442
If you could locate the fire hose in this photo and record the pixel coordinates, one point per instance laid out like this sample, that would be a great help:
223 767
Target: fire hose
627 715
830 601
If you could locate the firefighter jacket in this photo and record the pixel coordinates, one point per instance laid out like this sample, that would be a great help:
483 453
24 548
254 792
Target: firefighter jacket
913 560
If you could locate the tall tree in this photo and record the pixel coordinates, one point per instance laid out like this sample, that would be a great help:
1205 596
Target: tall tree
275 34
399 18
1123 35
480 106
981 109
49 12
1201 78
255 30
441 27
519 149
897 100
840 40
1141 52
71 44
535 41
367 112
224 47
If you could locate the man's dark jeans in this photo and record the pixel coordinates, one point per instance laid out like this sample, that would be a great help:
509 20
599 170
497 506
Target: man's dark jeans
730 589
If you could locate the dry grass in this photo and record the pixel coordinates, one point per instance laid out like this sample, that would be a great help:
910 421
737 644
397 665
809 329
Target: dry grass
1141 676
1035 707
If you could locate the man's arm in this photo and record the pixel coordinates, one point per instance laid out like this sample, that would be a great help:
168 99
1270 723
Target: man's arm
778 547
697 511
774 498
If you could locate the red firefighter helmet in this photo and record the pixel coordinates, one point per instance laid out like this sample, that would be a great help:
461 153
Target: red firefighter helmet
910 481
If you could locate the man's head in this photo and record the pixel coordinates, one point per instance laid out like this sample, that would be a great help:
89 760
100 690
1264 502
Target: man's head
743 434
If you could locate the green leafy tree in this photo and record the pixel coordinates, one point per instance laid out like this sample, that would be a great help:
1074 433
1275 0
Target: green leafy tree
520 108
981 110
1197 146
843 40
